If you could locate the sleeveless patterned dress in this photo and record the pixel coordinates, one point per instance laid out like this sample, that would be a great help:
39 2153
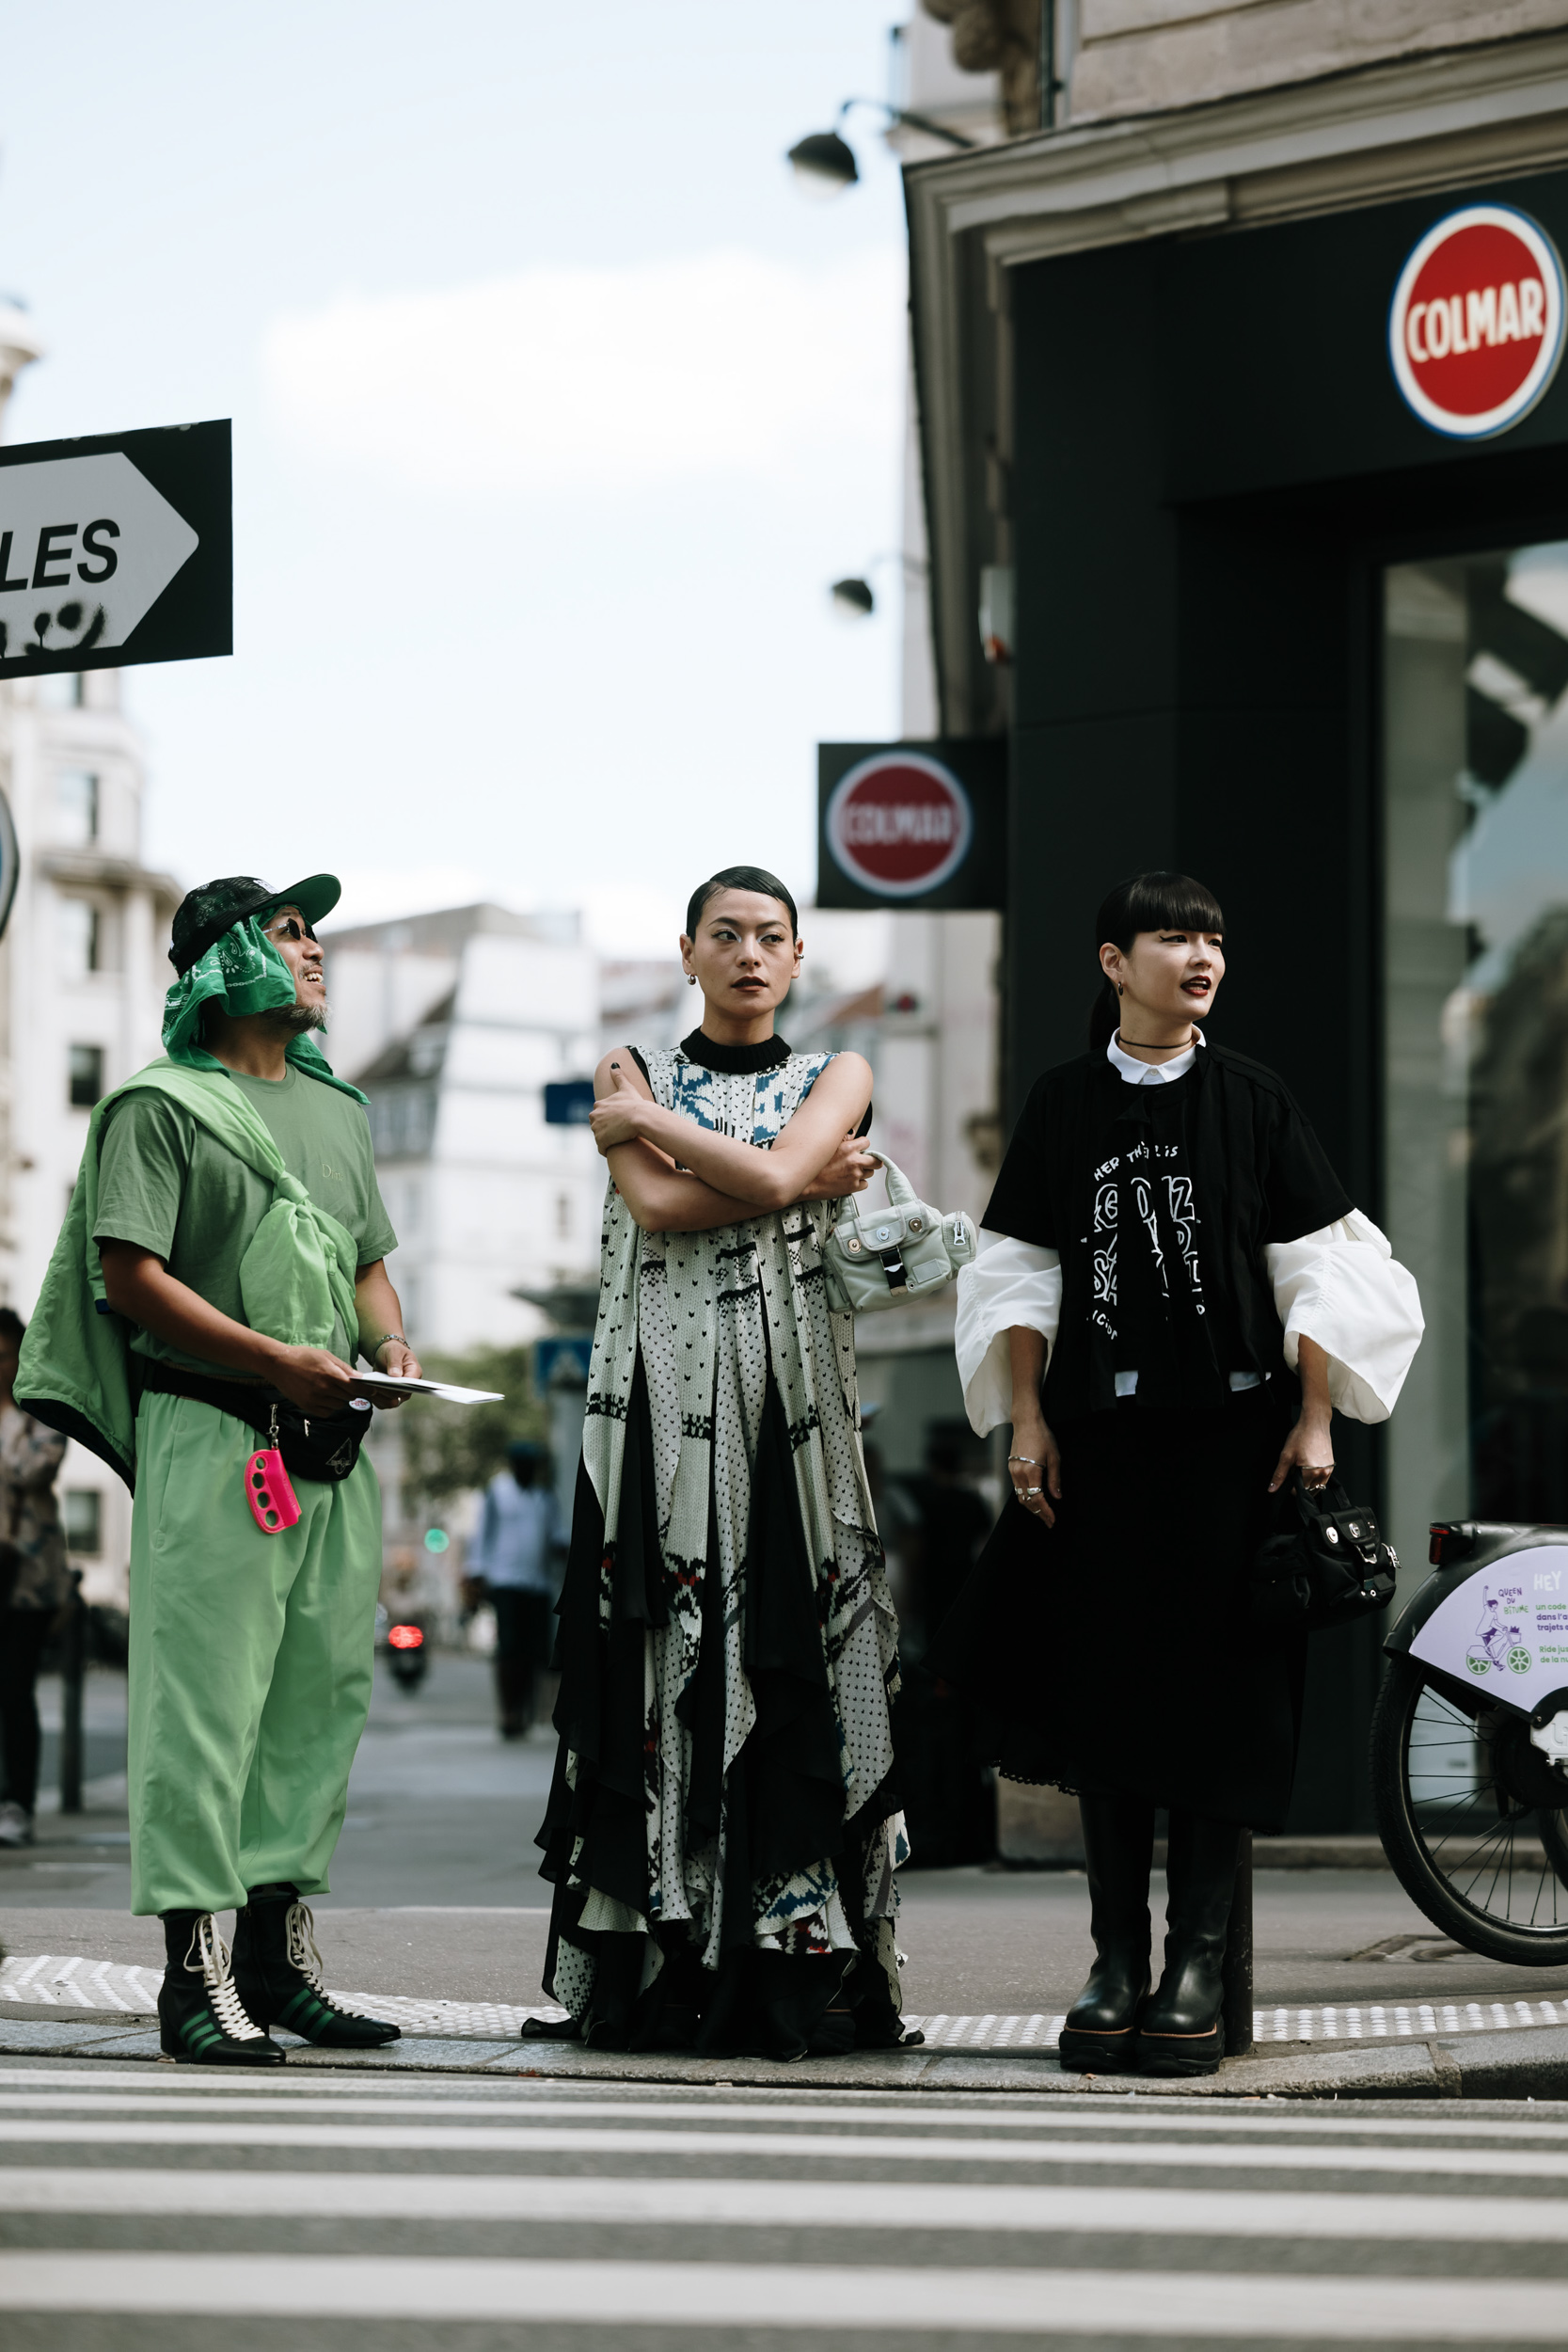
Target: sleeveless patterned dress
717 1366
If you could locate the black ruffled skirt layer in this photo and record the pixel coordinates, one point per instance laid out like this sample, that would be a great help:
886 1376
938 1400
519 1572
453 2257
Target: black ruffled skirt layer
783 1794
1111 1654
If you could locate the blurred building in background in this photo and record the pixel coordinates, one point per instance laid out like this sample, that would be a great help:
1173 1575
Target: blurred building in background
453 1023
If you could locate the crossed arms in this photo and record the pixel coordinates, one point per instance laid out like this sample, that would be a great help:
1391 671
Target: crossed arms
817 1157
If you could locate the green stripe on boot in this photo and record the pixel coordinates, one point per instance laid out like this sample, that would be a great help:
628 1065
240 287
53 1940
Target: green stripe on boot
277 1968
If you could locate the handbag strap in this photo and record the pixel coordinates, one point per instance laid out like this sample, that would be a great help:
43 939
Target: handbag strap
900 1192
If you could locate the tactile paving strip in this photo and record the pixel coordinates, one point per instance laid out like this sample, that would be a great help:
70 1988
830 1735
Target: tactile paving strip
52 1983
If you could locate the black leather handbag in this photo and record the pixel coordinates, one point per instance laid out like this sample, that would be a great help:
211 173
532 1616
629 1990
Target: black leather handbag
1330 1568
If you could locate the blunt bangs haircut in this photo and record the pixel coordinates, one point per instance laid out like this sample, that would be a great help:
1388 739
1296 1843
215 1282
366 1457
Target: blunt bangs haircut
1157 900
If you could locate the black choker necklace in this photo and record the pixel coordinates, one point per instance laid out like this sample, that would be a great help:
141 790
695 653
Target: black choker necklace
735 1061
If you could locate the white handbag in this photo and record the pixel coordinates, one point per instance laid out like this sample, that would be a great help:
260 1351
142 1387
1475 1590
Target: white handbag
876 1258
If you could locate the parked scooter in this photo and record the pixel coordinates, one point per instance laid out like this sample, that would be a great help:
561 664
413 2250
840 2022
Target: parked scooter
1470 1750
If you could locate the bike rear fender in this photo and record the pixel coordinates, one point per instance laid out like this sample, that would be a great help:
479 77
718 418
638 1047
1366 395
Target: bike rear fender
1504 1577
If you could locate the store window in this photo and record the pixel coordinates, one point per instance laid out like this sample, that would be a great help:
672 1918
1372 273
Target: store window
81 940
1476 1031
86 1075
82 1517
76 807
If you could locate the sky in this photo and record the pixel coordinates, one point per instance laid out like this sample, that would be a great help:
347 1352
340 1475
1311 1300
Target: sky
556 409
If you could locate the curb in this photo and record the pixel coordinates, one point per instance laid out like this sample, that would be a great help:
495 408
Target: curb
1524 2063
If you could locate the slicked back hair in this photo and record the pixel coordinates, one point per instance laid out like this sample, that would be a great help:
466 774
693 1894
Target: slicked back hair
755 878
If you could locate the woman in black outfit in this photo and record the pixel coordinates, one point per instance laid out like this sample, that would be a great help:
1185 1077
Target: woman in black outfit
1174 1291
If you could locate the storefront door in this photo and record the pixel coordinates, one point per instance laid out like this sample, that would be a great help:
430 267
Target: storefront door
1476 1031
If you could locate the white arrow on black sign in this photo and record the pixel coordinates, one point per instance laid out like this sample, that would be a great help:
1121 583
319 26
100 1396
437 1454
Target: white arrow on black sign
88 545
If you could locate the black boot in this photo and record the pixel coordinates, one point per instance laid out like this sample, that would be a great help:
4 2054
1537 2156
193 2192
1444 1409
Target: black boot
1101 2029
278 1969
201 2018
1181 2032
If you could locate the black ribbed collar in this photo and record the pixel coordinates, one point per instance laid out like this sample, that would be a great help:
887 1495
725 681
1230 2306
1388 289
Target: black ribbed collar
735 1061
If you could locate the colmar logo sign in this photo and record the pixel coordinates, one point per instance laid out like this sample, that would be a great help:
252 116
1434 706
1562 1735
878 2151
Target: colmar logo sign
899 823
1476 329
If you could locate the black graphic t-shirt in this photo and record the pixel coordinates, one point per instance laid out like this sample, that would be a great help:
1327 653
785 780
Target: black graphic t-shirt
1161 1201
1149 1311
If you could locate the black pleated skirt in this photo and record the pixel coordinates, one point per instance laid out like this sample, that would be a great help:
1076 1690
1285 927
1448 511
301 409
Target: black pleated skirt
1111 1654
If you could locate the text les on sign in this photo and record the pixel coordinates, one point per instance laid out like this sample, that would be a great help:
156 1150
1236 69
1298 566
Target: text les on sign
88 545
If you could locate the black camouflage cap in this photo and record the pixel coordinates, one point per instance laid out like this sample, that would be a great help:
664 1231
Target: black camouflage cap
203 916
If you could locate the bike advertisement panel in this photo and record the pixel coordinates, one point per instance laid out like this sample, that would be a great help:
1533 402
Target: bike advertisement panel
1505 1628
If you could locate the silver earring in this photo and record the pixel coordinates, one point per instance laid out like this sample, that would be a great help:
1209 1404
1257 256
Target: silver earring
1118 988
691 979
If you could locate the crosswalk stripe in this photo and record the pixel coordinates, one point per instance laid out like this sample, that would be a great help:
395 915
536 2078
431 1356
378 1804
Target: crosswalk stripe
897 2206
167 2090
1537 2163
1043 2303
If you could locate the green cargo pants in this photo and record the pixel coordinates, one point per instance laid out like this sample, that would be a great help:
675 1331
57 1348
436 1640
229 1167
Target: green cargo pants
250 1666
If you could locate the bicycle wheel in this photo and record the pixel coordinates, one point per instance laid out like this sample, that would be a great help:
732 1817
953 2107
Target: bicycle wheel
1471 1818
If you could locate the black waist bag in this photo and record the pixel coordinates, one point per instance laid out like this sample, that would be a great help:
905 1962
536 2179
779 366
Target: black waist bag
1329 1570
323 1446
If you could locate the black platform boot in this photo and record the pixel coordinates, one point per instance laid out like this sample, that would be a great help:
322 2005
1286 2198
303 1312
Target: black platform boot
1101 2029
201 2018
278 1969
1181 2032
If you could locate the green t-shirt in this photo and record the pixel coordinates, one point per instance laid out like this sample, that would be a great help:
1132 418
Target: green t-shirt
168 1184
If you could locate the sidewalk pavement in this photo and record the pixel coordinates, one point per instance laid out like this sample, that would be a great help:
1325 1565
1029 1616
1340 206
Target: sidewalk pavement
438 1902
1524 2065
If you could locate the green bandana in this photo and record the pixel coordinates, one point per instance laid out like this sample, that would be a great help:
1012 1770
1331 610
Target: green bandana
240 973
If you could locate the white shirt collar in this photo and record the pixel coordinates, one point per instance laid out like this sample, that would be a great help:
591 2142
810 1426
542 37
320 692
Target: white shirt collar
1148 1074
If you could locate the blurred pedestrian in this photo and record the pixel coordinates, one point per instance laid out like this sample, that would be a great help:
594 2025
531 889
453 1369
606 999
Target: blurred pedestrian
514 1564
942 1778
34 1582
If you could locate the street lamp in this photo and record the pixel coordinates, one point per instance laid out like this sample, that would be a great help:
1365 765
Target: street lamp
852 598
824 163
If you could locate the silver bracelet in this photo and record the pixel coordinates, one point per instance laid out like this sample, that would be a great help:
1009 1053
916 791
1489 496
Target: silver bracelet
385 1339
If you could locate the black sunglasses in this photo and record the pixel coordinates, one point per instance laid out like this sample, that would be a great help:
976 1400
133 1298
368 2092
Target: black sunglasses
290 926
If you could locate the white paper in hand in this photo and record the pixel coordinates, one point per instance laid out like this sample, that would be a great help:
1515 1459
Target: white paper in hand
443 1389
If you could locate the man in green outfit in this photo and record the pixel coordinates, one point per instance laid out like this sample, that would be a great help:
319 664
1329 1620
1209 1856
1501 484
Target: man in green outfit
220 1272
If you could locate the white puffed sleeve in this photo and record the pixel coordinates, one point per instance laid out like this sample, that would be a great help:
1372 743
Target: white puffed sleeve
1343 1287
1009 1282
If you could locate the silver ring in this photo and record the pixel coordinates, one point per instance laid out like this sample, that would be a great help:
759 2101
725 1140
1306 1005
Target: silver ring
1023 1493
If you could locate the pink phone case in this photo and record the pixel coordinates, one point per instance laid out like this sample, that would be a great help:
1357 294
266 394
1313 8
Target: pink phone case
269 1490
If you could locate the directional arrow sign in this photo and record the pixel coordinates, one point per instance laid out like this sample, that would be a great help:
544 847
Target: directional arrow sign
115 551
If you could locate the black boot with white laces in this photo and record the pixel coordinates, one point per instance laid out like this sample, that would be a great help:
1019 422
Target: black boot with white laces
201 2018
278 1969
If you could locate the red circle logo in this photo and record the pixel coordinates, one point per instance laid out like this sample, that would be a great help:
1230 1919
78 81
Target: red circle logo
899 823
1475 332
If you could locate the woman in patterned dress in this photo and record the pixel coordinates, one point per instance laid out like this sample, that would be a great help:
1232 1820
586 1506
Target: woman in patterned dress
721 1833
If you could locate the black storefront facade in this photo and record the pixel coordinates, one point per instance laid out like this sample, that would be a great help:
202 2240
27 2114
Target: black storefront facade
1272 627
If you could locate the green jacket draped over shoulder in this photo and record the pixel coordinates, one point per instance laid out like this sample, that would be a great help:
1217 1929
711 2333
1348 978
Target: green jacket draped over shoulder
77 1373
